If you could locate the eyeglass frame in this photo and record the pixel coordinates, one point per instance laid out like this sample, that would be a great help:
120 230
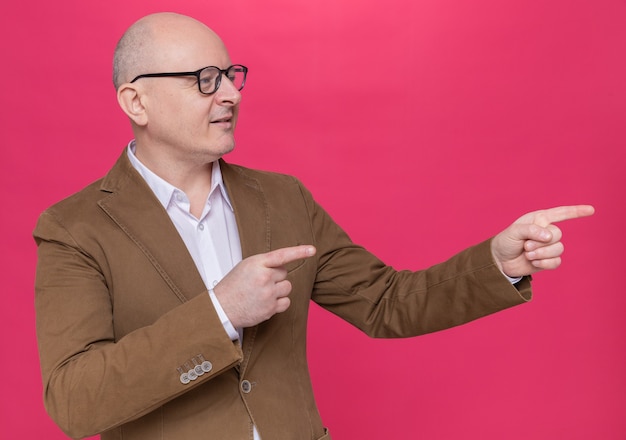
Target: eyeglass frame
218 79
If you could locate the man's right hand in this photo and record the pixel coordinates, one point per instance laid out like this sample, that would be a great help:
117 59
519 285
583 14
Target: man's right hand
256 289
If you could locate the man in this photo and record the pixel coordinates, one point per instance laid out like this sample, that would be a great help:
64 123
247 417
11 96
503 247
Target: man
172 295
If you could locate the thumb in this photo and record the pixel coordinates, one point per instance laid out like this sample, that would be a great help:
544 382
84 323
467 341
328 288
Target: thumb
526 231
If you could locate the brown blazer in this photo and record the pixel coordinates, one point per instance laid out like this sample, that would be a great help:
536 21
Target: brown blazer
122 311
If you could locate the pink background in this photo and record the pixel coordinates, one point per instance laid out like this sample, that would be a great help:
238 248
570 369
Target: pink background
423 127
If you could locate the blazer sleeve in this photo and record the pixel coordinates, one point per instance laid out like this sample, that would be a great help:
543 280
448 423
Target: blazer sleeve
93 379
355 285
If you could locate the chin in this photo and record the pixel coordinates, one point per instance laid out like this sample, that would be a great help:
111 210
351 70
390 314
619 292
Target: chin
223 149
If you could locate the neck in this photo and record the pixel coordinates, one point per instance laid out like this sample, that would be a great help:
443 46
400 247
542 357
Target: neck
193 177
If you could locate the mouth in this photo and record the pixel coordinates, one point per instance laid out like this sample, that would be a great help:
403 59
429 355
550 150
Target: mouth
227 119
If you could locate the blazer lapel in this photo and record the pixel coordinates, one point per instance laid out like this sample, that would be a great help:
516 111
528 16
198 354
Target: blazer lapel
250 205
252 215
136 210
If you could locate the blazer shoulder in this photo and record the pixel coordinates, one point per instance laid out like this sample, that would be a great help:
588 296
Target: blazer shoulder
83 205
252 173
269 182
78 202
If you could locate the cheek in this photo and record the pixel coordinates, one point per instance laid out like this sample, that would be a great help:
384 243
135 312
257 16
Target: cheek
190 121
182 113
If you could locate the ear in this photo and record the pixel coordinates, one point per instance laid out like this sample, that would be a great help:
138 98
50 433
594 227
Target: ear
130 100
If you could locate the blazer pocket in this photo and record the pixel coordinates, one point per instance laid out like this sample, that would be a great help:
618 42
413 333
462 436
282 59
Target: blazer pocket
294 265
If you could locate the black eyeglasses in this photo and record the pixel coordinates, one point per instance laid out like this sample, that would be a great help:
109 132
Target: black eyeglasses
209 78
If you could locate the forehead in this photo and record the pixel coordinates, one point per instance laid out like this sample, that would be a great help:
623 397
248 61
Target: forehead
189 47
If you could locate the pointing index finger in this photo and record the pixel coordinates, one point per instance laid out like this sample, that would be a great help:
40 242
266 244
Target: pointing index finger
282 256
562 213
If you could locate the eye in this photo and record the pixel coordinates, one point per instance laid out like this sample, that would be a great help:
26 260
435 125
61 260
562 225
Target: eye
207 80
207 77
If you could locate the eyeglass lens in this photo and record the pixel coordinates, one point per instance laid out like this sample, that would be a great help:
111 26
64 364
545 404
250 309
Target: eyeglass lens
209 81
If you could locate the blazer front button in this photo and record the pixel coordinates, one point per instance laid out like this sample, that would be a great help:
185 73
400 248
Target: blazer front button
246 386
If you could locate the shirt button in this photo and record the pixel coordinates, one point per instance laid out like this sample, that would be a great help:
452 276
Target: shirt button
246 386
201 226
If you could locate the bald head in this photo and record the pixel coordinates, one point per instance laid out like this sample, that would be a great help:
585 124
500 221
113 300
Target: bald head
163 42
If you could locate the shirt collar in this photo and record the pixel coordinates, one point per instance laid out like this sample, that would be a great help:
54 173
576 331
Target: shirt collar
163 190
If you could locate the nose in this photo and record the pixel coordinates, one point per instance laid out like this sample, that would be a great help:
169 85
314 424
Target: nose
227 93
